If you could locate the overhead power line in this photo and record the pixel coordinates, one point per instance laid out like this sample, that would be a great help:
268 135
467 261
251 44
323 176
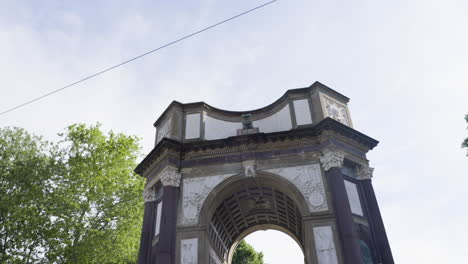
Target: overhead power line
135 58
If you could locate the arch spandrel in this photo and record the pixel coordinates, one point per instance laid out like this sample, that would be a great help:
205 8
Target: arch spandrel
309 181
305 182
196 191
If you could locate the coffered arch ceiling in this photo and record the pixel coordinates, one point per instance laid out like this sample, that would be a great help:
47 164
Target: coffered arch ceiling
253 204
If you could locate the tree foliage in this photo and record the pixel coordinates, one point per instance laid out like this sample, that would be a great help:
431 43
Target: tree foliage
74 201
465 142
246 254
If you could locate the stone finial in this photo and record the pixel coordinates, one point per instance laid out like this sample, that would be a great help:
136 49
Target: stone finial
170 177
331 158
249 168
149 195
364 172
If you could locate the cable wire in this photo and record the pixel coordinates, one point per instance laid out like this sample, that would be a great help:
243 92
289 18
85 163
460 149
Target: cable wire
137 57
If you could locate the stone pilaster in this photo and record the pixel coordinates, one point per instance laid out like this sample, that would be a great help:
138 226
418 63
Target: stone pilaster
332 161
376 224
166 249
149 195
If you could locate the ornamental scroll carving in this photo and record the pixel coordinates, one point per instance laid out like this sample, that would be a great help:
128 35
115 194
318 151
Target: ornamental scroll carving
364 172
331 158
149 195
170 177
195 191
308 179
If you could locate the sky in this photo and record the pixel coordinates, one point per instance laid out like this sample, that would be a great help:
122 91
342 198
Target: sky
403 64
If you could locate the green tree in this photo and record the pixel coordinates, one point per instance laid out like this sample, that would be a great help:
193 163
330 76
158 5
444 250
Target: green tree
83 197
25 173
465 142
246 254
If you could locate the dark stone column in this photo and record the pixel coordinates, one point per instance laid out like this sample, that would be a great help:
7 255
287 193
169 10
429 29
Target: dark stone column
147 228
344 218
167 235
145 241
376 222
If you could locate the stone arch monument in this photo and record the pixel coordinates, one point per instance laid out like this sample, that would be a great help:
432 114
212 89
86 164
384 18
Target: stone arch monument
297 166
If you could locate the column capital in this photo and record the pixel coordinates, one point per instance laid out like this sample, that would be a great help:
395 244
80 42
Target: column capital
331 158
170 177
364 172
149 195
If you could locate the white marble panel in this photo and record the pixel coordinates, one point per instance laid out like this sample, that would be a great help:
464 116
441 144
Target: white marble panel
325 245
158 219
302 110
195 191
189 251
279 121
308 179
353 197
192 126
216 129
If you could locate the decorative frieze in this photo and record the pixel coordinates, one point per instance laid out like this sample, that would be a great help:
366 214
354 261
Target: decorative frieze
364 172
331 158
170 177
308 180
149 195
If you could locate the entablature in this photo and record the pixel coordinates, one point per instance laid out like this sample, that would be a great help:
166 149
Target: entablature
254 146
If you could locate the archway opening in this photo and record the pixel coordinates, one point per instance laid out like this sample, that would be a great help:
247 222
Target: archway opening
276 246
252 206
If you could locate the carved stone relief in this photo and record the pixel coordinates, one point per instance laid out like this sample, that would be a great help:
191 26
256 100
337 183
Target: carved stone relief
189 251
195 191
170 177
335 110
149 195
249 168
308 179
364 172
324 245
331 158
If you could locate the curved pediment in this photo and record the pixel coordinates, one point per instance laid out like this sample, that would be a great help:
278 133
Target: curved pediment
297 108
